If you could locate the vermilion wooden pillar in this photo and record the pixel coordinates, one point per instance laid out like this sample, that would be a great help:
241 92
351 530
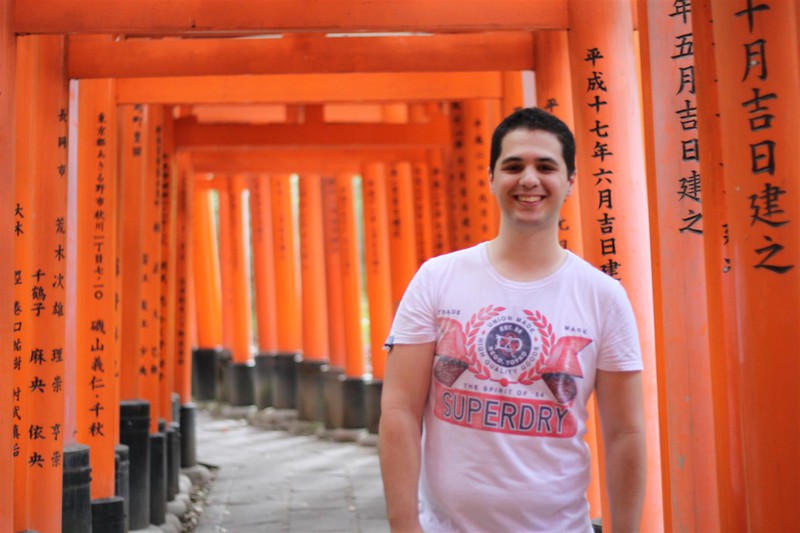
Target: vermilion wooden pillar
402 236
133 152
7 205
378 267
22 243
97 349
440 219
513 93
351 276
757 55
681 325
226 246
167 269
554 93
423 227
333 272
242 331
478 223
458 208
609 139
263 264
312 270
205 268
150 265
288 299
719 280
183 237
46 222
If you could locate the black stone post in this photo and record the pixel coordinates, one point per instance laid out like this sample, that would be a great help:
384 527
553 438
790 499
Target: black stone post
241 384
76 510
310 396
265 363
158 478
188 435
108 515
284 381
122 479
134 433
372 404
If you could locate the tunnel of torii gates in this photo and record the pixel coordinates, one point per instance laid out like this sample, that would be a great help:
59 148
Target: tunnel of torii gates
139 278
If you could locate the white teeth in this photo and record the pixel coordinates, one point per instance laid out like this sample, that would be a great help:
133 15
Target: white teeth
528 198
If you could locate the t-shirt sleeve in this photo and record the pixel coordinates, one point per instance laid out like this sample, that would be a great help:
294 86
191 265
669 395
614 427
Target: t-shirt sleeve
620 350
415 320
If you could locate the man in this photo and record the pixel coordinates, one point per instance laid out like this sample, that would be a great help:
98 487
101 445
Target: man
495 351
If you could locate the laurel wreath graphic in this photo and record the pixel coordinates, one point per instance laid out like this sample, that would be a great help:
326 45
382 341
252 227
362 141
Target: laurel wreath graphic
481 371
545 330
473 326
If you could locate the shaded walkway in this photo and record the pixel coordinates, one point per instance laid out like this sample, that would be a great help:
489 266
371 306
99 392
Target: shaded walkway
274 481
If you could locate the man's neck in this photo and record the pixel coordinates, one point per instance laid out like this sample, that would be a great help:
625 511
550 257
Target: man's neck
526 256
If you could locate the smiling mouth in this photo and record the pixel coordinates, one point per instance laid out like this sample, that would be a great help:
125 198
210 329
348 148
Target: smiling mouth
529 198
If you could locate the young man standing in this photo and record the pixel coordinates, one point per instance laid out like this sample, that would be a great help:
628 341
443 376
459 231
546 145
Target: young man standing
495 351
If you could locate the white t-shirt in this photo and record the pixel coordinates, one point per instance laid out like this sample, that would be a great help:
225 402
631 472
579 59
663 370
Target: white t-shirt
515 362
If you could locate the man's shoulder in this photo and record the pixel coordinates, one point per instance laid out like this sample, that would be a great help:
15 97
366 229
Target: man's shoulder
456 258
592 276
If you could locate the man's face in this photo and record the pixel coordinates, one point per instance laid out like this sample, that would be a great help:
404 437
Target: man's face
530 178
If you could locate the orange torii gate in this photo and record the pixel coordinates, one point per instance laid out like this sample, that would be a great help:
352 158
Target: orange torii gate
767 501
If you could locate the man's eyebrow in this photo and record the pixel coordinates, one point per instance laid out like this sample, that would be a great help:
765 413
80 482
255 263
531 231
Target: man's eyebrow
515 159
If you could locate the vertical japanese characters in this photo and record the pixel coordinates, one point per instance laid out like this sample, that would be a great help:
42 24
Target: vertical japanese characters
602 170
689 182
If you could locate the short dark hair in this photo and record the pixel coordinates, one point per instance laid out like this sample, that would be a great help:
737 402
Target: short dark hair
534 118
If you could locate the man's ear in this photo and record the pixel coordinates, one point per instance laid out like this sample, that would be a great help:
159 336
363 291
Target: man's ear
571 181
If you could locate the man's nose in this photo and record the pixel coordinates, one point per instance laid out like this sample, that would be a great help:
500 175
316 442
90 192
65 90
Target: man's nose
529 177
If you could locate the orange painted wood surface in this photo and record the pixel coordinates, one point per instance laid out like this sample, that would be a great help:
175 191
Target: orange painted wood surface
46 224
351 277
7 205
150 265
133 152
457 205
290 336
312 269
513 90
98 355
226 246
22 243
183 277
333 273
479 223
169 210
423 227
263 264
402 235
554 93
440 219
190 134
378 265
759 105
205 269
312 88
679 280
240 271
204 16
325 161
299 54
608 135
720 288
